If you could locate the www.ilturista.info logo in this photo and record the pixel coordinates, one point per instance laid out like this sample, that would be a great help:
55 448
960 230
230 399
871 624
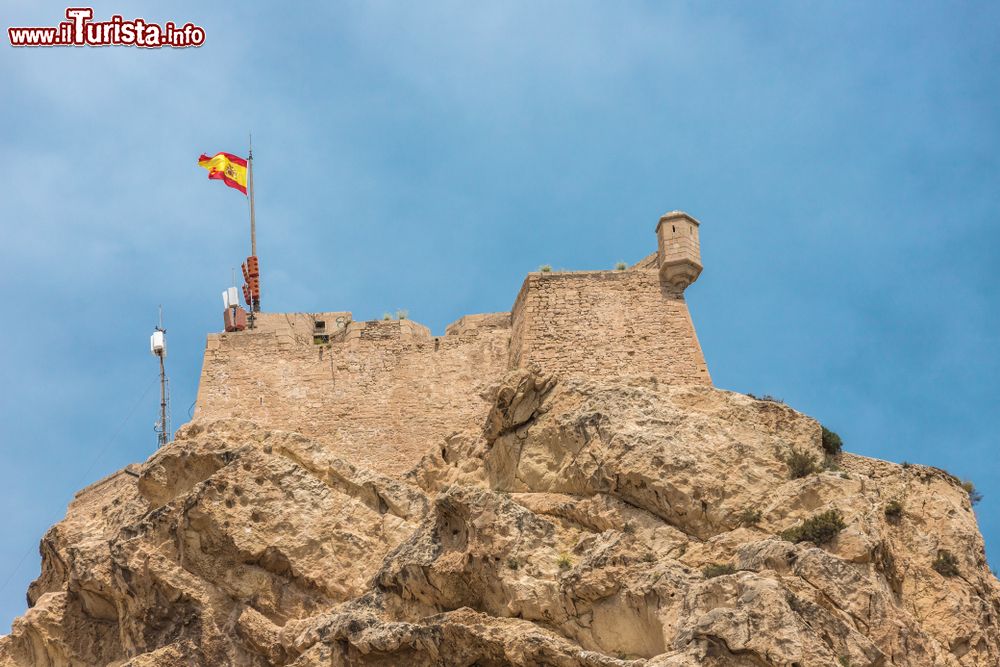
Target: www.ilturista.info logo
79 30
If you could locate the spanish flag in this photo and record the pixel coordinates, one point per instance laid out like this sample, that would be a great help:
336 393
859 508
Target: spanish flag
228 168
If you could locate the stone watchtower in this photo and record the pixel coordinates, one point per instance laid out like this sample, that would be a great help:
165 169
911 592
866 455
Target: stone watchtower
678 248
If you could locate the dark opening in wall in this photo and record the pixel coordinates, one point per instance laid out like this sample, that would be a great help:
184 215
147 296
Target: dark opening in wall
320 325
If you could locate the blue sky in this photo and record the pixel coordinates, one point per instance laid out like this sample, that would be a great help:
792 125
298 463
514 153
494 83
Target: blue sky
842 157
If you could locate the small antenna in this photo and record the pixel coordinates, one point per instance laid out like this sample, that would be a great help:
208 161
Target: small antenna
158 347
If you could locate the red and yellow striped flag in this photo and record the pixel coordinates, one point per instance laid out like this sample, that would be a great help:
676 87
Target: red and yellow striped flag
228 168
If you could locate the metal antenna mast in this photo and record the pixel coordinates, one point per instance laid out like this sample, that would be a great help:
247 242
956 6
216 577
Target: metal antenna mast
158 347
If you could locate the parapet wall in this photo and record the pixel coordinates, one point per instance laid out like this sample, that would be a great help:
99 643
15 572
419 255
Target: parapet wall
380 396
383 394
606 323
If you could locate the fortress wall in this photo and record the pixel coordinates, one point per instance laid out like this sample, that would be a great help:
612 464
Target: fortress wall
606 323
388 383
484 321
351 384
648 262
298 326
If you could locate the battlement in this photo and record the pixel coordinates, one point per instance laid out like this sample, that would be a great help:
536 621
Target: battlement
606 323
392 382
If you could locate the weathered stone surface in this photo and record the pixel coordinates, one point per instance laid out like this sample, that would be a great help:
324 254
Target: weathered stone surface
571 526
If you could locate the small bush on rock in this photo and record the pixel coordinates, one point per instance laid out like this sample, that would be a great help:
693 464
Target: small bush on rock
766 397
893 511
621 266
800 464
832 444
818 529
974 495
945 564
749 516
545 268
717 570
564 561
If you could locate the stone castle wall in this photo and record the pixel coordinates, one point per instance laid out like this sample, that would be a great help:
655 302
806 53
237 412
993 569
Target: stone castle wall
392 383
387 383
606 323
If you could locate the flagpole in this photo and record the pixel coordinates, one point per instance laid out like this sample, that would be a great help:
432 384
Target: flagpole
253 223
253 226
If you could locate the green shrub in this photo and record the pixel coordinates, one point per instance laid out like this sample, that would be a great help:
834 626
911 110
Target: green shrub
832 444
649 557
800 464
621 266
512 563
945 564
545 268
818 529
564 561
386 316
893 511
748 516
717 570
974 495
766 397
402 314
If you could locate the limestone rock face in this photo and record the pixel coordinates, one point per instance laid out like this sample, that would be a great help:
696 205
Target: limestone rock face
582 523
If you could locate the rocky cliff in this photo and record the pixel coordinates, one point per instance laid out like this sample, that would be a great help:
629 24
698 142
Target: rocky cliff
583 523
